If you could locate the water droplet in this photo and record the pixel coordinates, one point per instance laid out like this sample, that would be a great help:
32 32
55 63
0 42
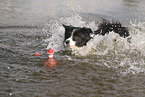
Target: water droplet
17 79
11 94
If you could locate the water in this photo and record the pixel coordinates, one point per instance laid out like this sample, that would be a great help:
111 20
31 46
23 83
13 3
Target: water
108 67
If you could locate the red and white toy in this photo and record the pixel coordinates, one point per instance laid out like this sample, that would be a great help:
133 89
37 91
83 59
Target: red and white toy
50 52
50 62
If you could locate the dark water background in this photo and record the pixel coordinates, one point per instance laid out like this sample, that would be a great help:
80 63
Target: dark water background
29 26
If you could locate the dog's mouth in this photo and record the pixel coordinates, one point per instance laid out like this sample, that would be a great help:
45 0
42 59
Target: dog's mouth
67 46
70 45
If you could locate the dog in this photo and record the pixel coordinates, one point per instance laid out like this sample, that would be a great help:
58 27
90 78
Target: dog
78 37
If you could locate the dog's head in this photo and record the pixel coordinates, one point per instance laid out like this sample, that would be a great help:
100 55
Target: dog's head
76 37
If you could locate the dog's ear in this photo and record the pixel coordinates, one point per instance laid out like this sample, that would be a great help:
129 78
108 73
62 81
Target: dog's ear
65 26
88 30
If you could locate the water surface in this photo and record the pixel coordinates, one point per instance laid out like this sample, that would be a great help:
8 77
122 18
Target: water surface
105 68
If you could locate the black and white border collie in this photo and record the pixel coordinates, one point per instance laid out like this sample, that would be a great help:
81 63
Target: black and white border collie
77 37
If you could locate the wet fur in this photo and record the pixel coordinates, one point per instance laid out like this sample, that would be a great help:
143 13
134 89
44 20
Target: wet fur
105 27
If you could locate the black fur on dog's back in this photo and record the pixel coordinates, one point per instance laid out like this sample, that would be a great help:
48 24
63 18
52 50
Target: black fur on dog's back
105 27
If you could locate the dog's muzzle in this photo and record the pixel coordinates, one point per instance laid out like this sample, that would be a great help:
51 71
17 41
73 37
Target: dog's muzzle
66 42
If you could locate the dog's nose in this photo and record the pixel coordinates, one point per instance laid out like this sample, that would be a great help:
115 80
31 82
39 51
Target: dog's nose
67 42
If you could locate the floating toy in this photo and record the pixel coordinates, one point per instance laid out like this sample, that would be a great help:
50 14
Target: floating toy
50 62
50 52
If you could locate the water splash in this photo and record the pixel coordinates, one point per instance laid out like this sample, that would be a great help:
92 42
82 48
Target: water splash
130 66
138 34
99 45
56 40
102 45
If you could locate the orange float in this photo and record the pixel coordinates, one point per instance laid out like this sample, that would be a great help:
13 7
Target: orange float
50 62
